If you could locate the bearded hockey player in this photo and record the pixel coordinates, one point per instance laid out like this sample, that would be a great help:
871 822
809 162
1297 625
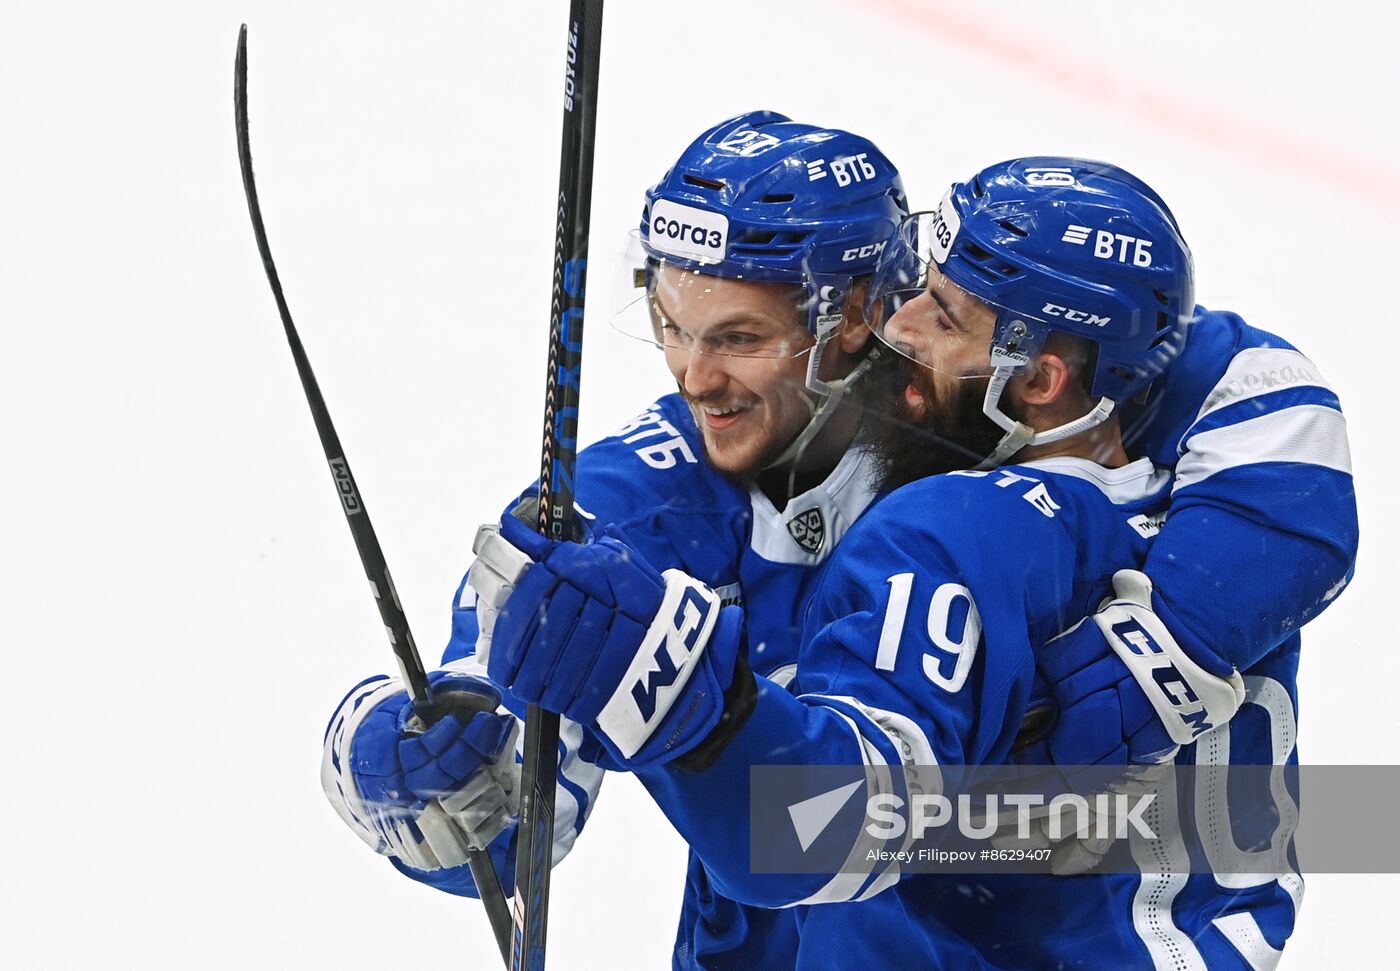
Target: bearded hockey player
920 648
745 479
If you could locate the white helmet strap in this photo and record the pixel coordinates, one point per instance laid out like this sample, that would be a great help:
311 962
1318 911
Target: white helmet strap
1019 435
826 396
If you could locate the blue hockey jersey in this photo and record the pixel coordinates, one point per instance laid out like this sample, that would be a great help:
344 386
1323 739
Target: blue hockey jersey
650 482
919 650
1262 489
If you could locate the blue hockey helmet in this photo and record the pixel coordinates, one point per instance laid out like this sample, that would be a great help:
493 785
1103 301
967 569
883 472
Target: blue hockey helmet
763 198
1055 245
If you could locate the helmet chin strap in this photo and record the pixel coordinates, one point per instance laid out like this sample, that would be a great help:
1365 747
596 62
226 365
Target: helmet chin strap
1019 435
824 396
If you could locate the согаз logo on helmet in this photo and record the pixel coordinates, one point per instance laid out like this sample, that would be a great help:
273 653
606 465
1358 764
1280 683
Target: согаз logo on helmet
688 232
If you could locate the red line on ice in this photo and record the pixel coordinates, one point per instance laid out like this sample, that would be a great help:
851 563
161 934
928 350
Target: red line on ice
963 25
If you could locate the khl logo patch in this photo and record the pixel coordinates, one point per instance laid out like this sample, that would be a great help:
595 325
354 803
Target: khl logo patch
808 529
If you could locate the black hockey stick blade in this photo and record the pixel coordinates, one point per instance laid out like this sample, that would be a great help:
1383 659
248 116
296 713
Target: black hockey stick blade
557 456
356 516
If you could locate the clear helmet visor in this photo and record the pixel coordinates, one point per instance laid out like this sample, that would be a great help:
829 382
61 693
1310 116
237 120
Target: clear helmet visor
681 309
923 315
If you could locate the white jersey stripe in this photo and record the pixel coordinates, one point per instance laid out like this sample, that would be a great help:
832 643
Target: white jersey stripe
1166 867
1259 371
1124 485
904 733
1242 931
846 885
838 502
1309 434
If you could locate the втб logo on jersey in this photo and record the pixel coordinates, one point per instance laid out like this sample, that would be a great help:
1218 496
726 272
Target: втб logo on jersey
1111 246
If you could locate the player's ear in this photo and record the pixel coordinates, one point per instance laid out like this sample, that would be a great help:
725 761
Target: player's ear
1046 381
854 332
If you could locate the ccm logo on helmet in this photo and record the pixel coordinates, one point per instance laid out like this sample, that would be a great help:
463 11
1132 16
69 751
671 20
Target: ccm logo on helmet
1077 316
685 231
863 252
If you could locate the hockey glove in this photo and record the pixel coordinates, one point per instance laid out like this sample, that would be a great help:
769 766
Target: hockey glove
1079 834
499 565
1128 693
1127 690
426 797
594 633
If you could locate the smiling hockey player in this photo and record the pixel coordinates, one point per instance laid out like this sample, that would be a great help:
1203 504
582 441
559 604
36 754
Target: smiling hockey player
746 480
921 645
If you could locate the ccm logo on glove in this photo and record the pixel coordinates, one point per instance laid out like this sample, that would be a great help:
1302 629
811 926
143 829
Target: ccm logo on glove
1172 682
680 643
662 667
1189 699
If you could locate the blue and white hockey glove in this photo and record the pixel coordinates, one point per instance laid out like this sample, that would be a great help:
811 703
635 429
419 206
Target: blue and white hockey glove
1079 834
594 633
499 566
1127 690
1127 693
424 799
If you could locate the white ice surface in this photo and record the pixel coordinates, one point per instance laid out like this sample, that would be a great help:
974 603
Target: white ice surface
183 604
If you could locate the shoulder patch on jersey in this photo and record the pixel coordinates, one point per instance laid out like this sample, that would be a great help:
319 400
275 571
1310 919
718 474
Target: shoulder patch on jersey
808 529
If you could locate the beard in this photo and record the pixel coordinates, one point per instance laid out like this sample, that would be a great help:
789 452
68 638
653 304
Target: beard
743 457
948 434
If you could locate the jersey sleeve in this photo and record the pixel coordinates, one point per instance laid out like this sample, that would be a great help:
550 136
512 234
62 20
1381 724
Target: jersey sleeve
1261 533
913 656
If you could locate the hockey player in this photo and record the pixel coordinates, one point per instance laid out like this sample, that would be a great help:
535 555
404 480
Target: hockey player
744 477
742 531
920 648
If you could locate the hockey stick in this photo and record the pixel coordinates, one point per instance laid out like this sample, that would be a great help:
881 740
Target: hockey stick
559 450
428 708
